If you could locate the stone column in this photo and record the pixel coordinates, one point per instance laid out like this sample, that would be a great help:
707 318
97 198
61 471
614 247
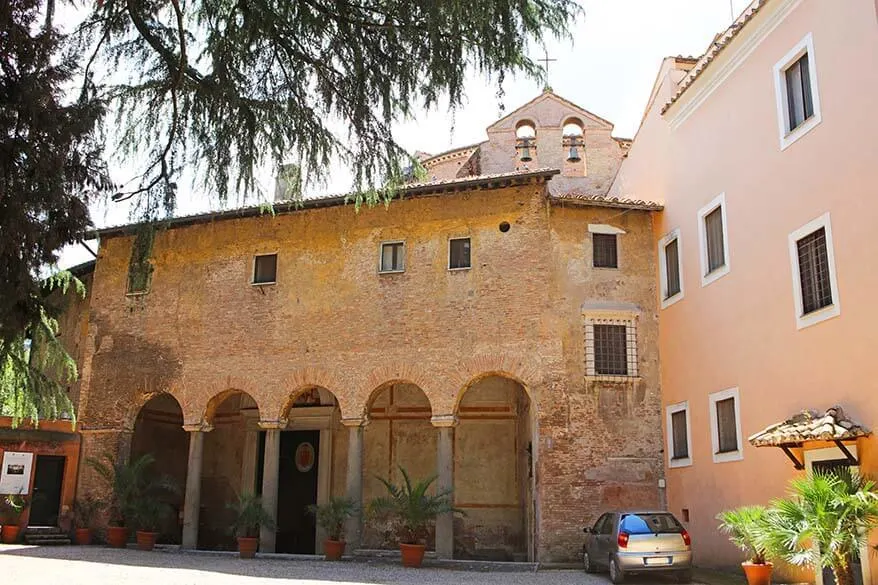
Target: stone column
445 483
354 526
192 502
251 452
271 466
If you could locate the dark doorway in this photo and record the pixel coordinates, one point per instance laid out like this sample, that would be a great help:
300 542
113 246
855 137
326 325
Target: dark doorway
297 489
48 479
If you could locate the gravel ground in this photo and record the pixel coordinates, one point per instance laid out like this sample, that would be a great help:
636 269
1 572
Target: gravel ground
72 565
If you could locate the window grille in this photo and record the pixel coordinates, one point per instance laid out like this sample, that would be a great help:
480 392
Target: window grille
605 250
814 271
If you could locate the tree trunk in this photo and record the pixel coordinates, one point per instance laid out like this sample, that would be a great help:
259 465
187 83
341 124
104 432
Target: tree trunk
843 574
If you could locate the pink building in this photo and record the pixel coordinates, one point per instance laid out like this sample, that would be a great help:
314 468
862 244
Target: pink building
763 154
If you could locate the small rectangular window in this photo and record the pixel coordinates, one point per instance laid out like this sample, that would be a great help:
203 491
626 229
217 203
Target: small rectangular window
605 251
814 271
265 269
672 264
611 350
800 104
681 443
713 230
392 257
727 428
459 253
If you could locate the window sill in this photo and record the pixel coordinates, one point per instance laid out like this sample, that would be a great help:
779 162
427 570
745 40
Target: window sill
818 316
791 137
139 293
682 462
391 271
461 269
272 283
728 456
605 267
671 300
612 379
715 275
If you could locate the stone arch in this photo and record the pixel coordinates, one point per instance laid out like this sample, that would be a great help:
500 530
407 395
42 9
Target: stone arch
141 400
217 400
311 395
521 370
395 373
525 128
567 124
305 379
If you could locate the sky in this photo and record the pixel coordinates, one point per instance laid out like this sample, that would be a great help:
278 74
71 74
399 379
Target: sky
608 67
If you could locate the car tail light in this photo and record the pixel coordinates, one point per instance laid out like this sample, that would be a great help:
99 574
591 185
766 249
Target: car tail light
623 540
687 540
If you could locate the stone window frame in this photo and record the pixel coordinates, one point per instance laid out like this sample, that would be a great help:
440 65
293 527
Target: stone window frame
626 317
381 256
671 410
253 269
667 301
786 136
728 456
710 276
828 312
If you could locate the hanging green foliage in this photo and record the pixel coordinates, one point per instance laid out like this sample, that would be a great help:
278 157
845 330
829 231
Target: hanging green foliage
140 266
35 368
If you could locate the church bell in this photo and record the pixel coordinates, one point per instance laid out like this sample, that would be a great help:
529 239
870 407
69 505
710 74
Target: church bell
573 154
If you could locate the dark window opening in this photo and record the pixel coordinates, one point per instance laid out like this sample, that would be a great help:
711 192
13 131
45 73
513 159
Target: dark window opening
814 272
459 253
678 434
393 257
504 226
726 427
611 350
672 267
605 251
713 230
800 103
265 269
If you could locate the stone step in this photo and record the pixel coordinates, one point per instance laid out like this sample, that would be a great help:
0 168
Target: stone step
47 541
43 530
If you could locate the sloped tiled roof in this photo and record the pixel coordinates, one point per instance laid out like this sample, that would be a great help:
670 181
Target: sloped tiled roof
607 201
720 42
808 425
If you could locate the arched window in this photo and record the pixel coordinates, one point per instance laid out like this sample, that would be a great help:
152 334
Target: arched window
572 136
525 140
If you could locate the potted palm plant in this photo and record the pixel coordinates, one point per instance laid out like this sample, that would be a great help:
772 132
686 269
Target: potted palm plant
148 513
744 526
331 517
250 516
85 510
824 522
411 509
130 483
12 507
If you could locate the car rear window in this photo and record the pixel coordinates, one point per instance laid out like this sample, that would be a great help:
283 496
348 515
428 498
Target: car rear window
649 524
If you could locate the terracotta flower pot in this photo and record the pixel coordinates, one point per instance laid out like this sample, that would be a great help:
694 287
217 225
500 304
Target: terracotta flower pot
117 536
333 549
9 533
83 536
758 574
412 554
146 540
247 547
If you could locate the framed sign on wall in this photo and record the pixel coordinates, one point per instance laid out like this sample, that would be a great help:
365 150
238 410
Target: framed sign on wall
15 474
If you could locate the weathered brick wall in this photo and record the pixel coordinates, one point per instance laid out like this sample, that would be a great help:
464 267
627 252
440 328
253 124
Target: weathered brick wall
332 321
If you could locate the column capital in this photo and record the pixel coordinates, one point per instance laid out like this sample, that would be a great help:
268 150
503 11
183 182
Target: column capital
199 427
273 425
355 422
444 421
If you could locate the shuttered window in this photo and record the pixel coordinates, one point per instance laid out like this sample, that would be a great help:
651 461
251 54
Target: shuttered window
605 251
672 266
265 269
726 425
610 350
392 257
459 253
678 432
714 241
814 271
800 103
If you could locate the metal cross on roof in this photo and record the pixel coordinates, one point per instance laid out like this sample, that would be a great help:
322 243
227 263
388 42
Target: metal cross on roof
546 60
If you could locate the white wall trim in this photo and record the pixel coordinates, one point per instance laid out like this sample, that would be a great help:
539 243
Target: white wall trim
786 136
602 228
667 301
669 411
830 311
714 427
737 52
708 277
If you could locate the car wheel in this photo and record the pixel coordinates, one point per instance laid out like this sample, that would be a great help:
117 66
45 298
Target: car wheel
587 564
616 574
684 576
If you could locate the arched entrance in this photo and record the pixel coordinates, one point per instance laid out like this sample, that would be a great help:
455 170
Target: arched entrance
399 434
493 469
228 466
158 431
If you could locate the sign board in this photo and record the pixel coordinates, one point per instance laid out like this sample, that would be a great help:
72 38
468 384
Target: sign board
15 474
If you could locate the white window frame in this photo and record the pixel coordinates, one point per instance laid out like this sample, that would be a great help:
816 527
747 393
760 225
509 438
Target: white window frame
381 255
829 311
670 410
449 253
628 319
667 301
717 202
787 137
714 426
253 269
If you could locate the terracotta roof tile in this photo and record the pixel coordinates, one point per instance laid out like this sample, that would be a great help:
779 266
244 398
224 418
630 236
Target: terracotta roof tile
808 425
607 201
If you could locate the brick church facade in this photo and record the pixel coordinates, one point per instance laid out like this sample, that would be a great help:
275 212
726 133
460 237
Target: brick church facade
496 326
